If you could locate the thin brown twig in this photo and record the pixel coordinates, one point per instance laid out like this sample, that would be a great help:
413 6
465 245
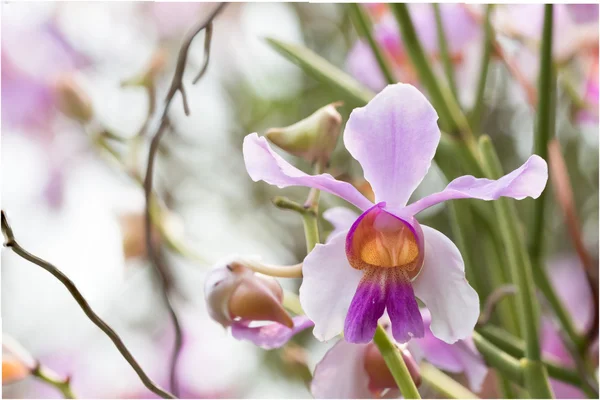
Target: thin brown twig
563 192
176 86
12 243
207 41
492 301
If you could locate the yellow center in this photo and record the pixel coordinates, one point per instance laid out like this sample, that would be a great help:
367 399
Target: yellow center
382 240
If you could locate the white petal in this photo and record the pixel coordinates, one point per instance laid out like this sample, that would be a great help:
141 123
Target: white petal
341 373
328 286
341 218
442 286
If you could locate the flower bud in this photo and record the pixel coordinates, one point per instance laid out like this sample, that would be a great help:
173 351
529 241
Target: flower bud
148 76
312 138
234 292
380 376
17 363
134 235
72 100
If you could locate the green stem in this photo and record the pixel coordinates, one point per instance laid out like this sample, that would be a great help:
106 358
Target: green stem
444 52
311 230
476 113
363 26
544 133
521 274
451 115
498 359
516 348
395 362
545 125
51 378
444 384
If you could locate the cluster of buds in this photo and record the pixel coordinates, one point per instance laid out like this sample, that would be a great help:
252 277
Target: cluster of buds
235 294
313 138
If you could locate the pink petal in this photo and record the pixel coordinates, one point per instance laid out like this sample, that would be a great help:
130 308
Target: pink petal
270 336
341 373
394 138
529 180
362 65
461 356
571 284
262 163
341 218
441 285
328 286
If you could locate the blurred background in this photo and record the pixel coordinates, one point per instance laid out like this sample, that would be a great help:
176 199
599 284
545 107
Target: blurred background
71 194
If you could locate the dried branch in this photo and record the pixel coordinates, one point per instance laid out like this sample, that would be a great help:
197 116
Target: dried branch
492 301
12 243
176 86
563 192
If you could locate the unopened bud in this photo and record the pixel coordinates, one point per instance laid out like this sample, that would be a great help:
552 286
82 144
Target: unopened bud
17 363
72 100
312 138
233 291
147 77
379 374
134 235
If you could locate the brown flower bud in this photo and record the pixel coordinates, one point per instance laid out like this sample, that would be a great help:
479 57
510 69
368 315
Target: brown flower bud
380 376
72 100
259 299
233 291
312 138
17 363
134 235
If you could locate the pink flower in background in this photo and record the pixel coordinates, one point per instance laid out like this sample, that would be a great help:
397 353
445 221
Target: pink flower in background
342 373
387 259
572 286
460 28
28 98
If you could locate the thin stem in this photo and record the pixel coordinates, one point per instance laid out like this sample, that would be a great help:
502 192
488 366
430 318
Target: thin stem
544 132
176 86
521 271
516 348
443 383
51 378
11 243
476 113
451 115
363 26
444 51
278 271
498 359
395 362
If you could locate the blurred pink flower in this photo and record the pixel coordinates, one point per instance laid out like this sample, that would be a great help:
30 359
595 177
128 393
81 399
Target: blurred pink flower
460 28
571 284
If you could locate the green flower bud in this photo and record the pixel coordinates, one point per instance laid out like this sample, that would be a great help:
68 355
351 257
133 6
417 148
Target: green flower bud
312 138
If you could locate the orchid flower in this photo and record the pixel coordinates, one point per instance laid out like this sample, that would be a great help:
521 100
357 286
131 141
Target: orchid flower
387 259
343 372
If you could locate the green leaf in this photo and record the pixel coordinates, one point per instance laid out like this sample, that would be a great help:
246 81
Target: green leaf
323 71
